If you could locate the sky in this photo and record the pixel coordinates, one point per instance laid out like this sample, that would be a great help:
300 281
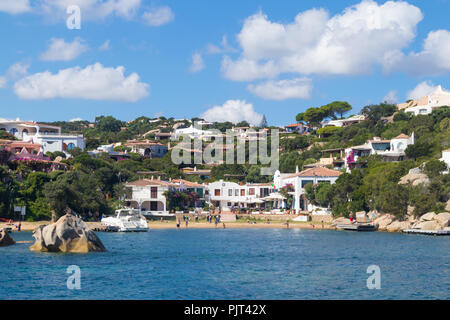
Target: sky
221 60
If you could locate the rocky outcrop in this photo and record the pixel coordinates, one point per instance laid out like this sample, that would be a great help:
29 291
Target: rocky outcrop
427 225
428 216
443 219
5 239
398 226
384 221
68 234
447 206
415 179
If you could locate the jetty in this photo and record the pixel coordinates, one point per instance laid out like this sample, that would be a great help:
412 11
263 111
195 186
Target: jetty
428 232
358 227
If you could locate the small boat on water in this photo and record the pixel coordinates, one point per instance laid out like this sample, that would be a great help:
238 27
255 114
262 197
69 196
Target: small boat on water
126 220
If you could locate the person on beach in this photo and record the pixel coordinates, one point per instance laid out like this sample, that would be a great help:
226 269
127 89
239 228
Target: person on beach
287 224
322 224
224 225
187 221
178 224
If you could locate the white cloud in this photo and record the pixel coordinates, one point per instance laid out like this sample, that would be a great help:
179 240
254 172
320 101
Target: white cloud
197 63
422 89
233 111
432 60
90 9
105 46
76 119
391 97
59 50
222 48
14 72
15 6
94 82
156 17
298 88
363 36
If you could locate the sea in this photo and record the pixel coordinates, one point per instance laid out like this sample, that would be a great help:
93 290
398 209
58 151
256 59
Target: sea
285 264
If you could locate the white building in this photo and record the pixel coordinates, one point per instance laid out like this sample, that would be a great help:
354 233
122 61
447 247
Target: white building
426 104
299 180
147 195
225 194
446 158
345 122
390 150
193 133
49 137
147 148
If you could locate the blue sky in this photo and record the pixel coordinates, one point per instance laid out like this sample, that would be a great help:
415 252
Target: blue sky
160 50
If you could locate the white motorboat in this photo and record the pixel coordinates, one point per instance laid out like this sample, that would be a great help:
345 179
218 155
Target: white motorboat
127 220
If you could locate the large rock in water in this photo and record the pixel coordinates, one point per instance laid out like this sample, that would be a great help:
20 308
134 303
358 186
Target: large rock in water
428 225
5 239
68 234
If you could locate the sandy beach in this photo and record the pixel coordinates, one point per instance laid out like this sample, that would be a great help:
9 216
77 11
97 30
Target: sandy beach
153 225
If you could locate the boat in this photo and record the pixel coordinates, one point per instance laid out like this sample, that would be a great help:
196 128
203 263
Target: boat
126 220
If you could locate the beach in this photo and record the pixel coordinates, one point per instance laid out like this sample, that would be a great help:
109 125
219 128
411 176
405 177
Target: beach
239 224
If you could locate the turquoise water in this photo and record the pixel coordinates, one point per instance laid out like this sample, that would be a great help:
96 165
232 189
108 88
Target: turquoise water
234 264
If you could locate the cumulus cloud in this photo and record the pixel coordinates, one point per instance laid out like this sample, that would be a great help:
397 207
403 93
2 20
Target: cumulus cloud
15 6
363 36
95 82
197 63
224 47
391 97
159 16
233 111
298 88
422 89
432 60
14 72
59 50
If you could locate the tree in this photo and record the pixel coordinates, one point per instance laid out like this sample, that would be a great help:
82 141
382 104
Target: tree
433 168
300 117
314 116
339 107
108 124
263 123
376 112
417 150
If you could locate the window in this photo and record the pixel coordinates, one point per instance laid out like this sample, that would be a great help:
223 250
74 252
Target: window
242 192
70 146
217 192
154 192
251 191
230 192
305 182
24 131
236 192
13 131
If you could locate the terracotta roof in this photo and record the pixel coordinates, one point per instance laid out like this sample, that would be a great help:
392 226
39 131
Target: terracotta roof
317 172
188 184
293 125
401 136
